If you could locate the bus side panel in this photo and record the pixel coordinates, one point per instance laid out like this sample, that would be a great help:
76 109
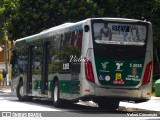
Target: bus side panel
147 89
64 61
87 88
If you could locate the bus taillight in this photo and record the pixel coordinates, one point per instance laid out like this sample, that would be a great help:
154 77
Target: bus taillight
147 74
89 71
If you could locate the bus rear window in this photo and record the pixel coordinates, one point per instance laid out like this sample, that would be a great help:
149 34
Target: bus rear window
119 33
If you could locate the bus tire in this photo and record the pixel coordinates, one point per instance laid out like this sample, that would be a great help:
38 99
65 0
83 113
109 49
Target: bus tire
108 105
19 93
57 102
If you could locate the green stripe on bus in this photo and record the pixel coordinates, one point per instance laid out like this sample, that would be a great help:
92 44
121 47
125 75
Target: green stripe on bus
66 86
112 72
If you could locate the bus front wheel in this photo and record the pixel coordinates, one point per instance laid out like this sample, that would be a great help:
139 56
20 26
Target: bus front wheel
20 93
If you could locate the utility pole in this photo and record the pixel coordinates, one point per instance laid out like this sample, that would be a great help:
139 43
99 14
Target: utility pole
6 56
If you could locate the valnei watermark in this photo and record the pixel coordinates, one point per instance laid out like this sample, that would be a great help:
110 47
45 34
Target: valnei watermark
142 114
74 59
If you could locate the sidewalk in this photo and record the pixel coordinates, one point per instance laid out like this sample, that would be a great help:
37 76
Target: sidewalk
152 105
5 89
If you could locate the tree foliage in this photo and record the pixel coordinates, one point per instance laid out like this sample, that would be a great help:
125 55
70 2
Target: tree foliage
27 17
33 16
6 10
135 9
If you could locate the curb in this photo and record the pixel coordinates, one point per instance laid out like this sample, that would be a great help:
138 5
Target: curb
6 93
5 89
154 98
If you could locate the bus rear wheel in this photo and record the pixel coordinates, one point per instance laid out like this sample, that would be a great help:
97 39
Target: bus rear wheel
57 102
20 93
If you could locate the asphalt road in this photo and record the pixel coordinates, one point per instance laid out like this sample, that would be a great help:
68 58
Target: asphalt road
45 108
11 103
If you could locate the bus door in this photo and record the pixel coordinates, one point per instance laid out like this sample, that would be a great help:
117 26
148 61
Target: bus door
29 71
44 89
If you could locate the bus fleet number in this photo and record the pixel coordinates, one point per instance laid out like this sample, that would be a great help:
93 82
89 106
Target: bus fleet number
136 65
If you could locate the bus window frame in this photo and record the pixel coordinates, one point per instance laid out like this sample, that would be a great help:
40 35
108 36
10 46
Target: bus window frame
95 44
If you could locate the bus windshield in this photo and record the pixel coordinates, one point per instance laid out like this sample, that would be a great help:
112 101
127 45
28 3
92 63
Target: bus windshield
119 33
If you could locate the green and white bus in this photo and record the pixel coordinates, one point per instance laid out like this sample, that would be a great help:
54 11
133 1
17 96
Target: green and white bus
106 60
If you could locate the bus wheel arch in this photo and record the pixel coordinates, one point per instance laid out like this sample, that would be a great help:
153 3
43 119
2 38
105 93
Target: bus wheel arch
54 80
20 80
19 91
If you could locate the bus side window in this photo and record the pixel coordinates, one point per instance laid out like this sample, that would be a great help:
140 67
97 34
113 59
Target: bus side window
75 57
13 62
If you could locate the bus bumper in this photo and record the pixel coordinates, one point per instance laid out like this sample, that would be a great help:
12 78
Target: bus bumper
142 93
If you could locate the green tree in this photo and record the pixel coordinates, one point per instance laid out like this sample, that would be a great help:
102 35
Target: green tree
33 16
6 10
135 9
1 21
29 17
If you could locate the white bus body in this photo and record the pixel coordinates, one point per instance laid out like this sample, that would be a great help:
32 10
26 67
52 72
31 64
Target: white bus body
106 60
